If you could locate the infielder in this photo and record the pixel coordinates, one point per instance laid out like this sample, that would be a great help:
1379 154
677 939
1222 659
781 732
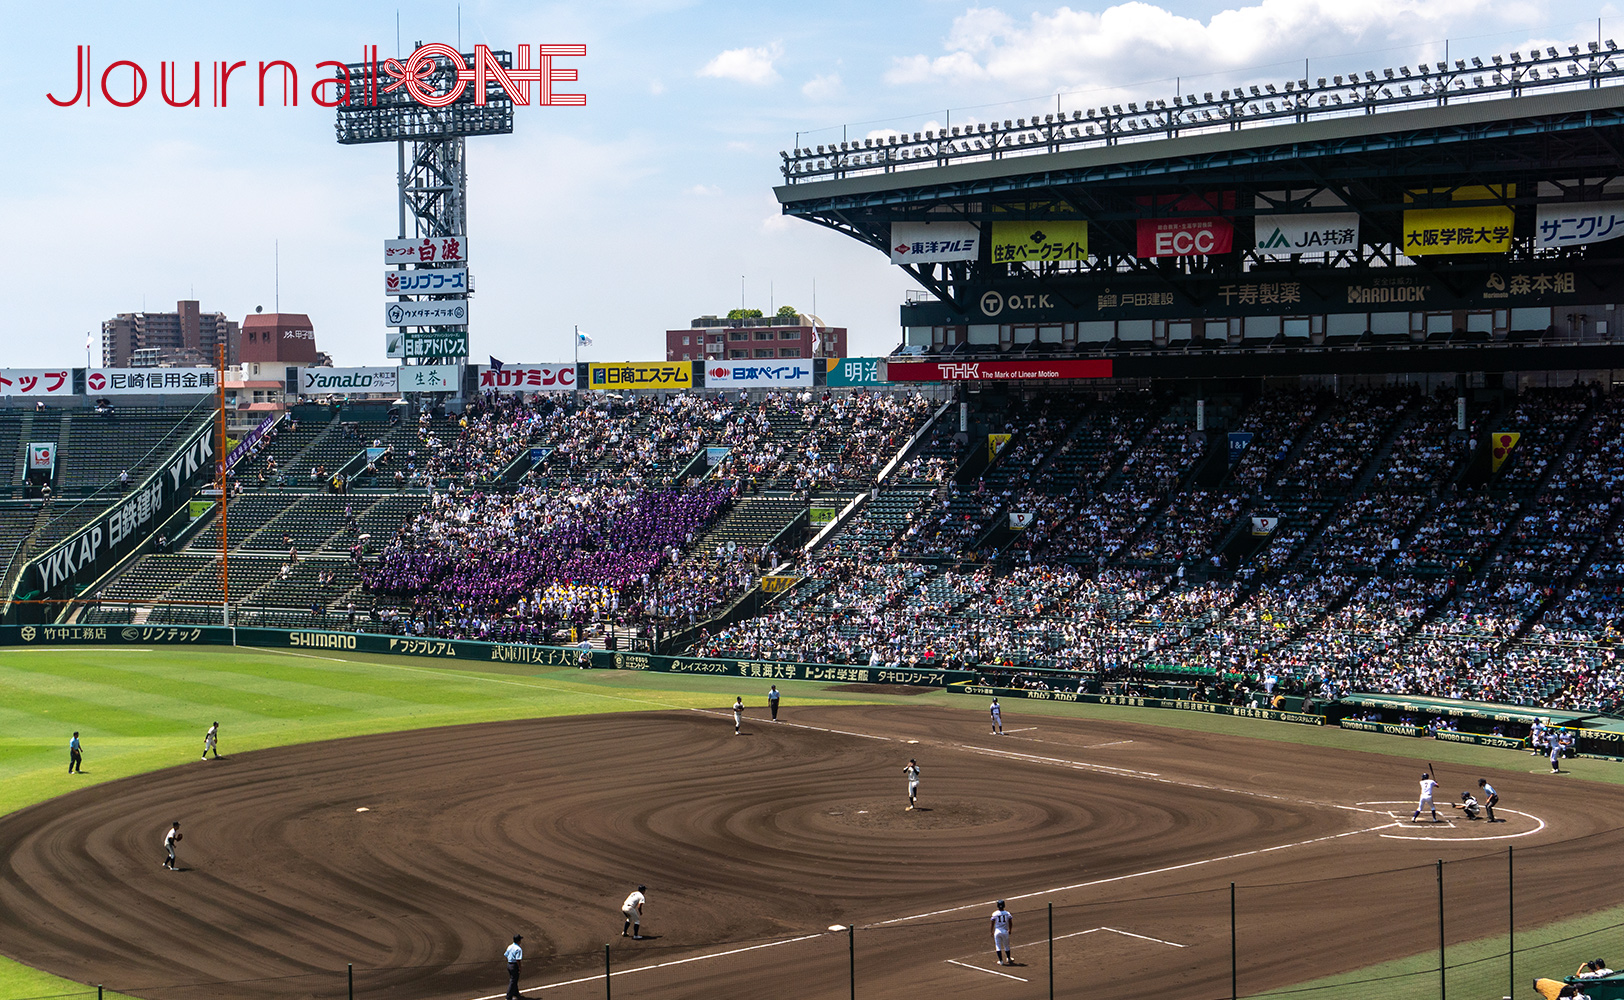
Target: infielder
1492 798
632 910
1002 923
912 771
76 755
211 741
1428 786
738 713
997 718
171 838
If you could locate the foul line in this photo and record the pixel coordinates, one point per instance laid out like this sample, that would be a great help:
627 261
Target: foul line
964 965
1131 875
796 725
660 965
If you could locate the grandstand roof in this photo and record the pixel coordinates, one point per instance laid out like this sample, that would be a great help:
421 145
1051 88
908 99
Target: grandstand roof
1481 709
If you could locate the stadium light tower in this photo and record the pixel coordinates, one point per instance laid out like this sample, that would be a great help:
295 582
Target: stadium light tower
433 178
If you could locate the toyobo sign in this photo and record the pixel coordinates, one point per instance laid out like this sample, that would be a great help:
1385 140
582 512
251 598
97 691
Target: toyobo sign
748 375
435 312
426 250
426 281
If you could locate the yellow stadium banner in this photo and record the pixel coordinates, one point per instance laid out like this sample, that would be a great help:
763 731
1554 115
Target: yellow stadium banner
640 375
995 444
1480 229
1056 239
1503 441
778 584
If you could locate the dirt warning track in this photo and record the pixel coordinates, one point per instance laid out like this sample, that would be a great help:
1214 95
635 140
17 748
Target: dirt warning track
417 855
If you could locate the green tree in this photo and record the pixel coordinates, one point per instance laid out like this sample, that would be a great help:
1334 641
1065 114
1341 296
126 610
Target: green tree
788 312
743 313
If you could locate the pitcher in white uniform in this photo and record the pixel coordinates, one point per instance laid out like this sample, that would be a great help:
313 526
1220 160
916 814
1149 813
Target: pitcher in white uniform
912 773
1002 923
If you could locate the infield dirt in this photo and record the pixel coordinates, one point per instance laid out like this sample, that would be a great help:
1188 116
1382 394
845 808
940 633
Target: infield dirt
755 845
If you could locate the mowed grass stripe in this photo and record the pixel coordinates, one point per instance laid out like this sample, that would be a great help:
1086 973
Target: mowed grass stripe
111 713
370 680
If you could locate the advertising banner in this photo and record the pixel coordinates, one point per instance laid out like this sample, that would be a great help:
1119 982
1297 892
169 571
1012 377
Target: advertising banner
930 242
1504 442
435 312
1480 229
426 281
1282 235
853 372
714 455
820 516
36 382
428 378
394 344
757 375
426 250
778 584
347 381
995 444
41 456
528 378
434 345
90 553
1020 520
148 381
245 447
1263 526
1239 441
1575 224
1016 242
1184 237
994 371
640 375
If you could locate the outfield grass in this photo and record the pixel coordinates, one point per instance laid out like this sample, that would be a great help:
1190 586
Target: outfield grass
139 710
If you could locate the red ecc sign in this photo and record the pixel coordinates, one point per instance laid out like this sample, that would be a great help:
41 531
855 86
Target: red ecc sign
1185 237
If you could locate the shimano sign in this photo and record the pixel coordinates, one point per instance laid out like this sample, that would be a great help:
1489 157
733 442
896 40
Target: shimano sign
756 376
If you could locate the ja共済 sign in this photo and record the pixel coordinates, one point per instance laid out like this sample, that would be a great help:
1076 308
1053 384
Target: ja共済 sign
1283 235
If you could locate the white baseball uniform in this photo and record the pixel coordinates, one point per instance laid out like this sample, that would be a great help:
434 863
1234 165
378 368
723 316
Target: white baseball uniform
629 907
1001 922
1427 787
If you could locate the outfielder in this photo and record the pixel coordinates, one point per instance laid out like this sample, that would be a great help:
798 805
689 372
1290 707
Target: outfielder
1428 786
632 910
1002 923
912 771
997 718
211 741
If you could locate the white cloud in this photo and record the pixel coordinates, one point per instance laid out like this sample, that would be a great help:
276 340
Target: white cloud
749 65
1137 40
822 87
656 87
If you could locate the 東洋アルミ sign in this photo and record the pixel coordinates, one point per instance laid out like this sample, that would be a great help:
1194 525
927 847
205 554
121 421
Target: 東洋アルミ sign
433 312
426 281
426 250
747 374
640 375
995 371
932 242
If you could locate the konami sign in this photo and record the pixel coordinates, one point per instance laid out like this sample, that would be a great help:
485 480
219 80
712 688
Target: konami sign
994 371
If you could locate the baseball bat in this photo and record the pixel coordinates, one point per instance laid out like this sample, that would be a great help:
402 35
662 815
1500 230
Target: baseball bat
1432 771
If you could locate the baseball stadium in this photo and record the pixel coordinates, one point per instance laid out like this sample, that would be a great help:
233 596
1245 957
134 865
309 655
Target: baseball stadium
1234 537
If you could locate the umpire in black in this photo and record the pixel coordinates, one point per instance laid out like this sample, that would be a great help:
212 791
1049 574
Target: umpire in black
515 959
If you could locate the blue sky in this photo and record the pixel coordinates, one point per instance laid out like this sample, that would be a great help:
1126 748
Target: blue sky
634 214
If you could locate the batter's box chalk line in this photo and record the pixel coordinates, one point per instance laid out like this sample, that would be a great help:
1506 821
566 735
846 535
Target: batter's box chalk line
1461 831
1092 930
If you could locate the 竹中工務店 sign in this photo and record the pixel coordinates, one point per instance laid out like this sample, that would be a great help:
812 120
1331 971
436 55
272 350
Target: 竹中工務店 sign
36 382
527 378
1473 229
746 374
932 242
995 371
426 281
604 376
134 381
1571 224
426 250
1061 239
434 345
434 312
1282 235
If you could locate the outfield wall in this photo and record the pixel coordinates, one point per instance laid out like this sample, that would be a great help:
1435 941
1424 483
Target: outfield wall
1591 742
